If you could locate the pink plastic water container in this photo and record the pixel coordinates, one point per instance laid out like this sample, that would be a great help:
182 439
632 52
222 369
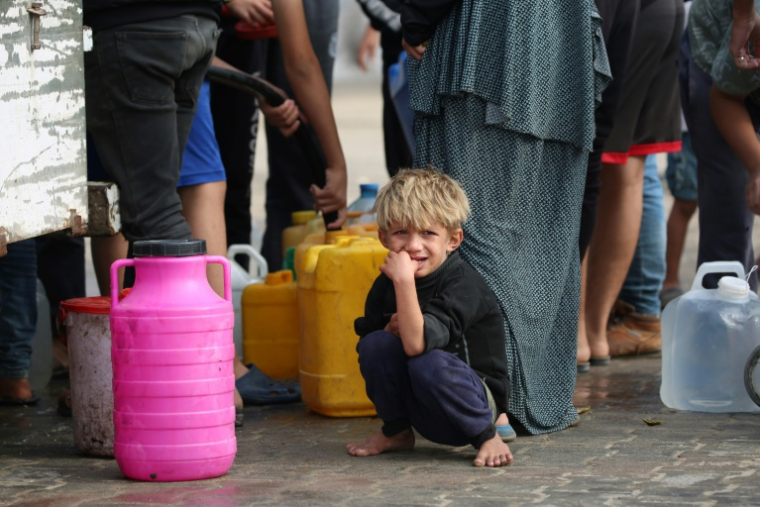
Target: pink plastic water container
172 352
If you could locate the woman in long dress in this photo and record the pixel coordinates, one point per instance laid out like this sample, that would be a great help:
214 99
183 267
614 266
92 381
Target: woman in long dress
504 93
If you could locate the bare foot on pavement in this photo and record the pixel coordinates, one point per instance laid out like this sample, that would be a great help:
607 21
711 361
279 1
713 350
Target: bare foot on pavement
493 453
379 443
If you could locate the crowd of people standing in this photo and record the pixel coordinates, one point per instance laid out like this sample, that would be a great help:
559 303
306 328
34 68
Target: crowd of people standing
548 113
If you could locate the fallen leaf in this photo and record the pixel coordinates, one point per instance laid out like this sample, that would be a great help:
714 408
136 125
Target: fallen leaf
651 422
583 410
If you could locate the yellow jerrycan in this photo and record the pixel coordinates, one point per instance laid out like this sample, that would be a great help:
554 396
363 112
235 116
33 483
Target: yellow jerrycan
329 238
332 290
293 235
270 325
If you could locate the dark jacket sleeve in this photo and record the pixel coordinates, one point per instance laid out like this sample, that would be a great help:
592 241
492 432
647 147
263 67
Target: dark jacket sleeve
374 318
450 312
419 18
382 14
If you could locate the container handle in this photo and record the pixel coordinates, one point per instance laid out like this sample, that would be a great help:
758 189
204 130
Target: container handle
115 279
258 262
220 259
707 268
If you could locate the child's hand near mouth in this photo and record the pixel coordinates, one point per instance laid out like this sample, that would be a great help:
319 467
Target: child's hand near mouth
400 267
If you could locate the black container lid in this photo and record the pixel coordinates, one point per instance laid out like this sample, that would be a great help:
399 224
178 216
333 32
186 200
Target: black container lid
169 247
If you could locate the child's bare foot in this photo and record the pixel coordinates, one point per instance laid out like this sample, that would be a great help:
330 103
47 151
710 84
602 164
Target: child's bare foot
379 443
493 453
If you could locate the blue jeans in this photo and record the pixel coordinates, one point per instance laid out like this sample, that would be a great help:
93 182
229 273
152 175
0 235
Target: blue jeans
18 308
644 281
681 173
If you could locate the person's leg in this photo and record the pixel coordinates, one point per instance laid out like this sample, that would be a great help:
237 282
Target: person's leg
450 405
383 364
618 22
682 181
435 392
60 268
637 330
105 251
289 177
725 221
644 280
18 320
203 208
140 117
612 246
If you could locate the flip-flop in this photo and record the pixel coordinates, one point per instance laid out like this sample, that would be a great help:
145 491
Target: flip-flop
256 388
599 361
18 402
584 367
507 433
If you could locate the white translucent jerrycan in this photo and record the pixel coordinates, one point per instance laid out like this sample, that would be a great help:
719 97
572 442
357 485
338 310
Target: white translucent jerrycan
709 340
257 271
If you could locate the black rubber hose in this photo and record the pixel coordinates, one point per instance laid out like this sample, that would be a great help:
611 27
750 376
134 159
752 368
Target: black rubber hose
255 86
752 376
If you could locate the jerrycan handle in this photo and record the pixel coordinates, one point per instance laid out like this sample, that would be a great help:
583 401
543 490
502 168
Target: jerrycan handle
121 263
220 259
257 261
707 268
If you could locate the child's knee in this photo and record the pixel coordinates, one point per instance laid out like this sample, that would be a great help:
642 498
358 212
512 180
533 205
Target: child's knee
432 367
379 344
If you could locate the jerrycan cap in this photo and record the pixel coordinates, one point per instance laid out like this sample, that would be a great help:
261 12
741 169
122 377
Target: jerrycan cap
733 288
169 248
302 217
282 277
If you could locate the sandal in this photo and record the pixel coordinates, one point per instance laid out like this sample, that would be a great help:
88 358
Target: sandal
256 388
506 433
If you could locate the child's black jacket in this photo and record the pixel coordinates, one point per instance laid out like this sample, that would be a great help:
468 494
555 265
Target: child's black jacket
461 315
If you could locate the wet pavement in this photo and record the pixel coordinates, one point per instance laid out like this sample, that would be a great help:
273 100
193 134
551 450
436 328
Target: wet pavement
289 456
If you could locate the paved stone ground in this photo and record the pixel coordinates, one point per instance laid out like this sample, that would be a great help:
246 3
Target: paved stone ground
289 456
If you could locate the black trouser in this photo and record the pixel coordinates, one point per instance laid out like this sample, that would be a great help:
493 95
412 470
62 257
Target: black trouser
142 82
289 174
60 268
236 120
435 392
397 152
725 221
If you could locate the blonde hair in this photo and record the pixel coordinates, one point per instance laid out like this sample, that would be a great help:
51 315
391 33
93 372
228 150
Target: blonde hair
419 198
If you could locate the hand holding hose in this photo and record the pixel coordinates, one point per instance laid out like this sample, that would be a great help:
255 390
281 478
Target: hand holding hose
332 197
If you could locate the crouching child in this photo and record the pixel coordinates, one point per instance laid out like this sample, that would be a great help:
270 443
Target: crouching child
432 348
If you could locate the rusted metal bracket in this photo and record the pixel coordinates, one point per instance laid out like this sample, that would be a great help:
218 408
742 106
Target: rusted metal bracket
78 228
103 203
36 12
3 242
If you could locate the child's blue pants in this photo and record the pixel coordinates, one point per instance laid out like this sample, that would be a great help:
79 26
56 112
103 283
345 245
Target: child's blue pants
436 392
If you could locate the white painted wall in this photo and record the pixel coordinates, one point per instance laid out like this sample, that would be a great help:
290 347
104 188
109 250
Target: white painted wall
43 169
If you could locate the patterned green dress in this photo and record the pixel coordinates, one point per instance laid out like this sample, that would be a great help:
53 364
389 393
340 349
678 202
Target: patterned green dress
504 102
